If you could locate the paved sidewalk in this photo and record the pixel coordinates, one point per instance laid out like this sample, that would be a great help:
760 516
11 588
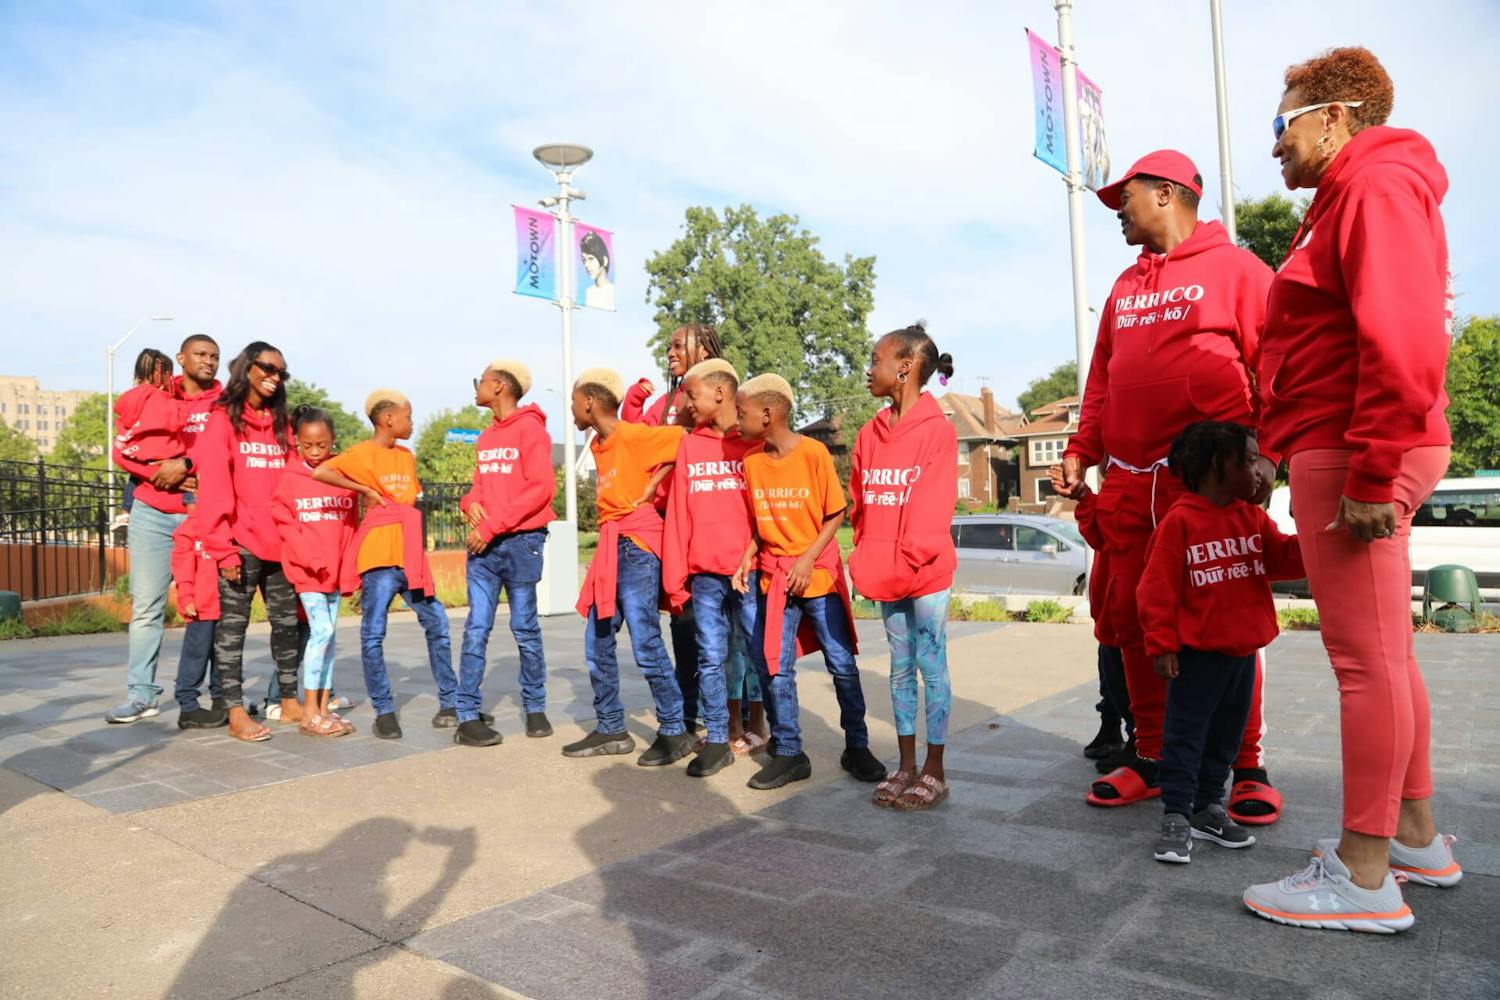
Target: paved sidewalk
193 866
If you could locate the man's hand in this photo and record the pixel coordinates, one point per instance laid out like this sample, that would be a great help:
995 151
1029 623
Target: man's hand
1071 478
230 573
475 515
1166 665
1369 522
476 542
170 474
1265 481
800 575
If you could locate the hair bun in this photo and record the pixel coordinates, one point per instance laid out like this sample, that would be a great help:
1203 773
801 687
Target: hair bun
300 409
945 365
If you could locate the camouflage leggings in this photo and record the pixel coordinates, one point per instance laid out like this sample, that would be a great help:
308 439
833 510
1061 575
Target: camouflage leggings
234 618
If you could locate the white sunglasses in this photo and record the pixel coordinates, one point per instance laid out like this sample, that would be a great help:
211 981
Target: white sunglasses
1280 123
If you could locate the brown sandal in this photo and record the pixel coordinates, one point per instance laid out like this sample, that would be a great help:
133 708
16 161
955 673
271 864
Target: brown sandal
320 725
924 793
892 788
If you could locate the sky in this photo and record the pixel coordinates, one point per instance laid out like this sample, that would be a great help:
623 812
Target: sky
336 179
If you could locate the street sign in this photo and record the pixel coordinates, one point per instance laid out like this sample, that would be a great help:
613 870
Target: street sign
465 434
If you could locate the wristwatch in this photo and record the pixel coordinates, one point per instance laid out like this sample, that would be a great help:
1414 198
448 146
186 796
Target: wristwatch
187 462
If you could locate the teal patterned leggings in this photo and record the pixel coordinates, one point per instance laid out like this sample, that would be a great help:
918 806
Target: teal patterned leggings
742 682
917 630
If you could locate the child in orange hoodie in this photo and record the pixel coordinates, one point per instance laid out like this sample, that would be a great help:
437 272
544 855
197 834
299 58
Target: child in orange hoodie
904 493
797 506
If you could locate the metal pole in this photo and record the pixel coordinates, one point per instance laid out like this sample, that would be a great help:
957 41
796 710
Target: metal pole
1221 90
109 405
565 303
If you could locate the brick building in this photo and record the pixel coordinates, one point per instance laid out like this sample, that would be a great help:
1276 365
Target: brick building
39 414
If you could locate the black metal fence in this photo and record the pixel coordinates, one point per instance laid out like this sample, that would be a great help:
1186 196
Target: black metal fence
442 521
54 528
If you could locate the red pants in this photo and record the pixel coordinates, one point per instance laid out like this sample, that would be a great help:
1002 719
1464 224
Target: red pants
1130 504
1363 592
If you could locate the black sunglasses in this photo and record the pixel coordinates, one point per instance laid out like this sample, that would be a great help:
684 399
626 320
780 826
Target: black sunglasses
280 373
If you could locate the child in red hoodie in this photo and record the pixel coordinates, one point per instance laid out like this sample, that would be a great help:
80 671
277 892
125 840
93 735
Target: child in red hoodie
197 578
904 490
1205 604
508 511
316 524
706 535
148 418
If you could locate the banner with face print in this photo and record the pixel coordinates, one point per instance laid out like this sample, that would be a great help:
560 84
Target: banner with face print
593 267
536 253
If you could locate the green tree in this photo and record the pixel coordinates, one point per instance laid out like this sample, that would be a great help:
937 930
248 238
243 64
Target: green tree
1474 396
348 427
81 440
1266 226
442 461
1061 381
779 305
588 506
15 446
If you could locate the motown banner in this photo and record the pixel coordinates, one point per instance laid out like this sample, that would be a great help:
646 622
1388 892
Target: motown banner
536 253
1051 148
594 267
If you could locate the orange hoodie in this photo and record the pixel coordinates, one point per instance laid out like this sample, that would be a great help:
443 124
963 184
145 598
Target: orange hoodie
237 473
316 523
513 478
904 489
708 517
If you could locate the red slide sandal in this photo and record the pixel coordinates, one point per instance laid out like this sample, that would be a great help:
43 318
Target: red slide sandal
1263 801
1128 786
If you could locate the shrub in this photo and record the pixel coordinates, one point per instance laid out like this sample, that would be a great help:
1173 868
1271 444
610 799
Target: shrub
1298 619
14 628
1047 611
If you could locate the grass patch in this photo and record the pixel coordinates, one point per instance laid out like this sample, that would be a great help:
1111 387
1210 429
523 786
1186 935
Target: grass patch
14 628
1297 619
979 611
1047 611
80 619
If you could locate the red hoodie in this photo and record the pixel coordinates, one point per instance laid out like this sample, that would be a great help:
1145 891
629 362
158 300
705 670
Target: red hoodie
237 474
192 413
904 489
316 523
1208 578
708 514
148 424
194 571
1177 341
1360 314
514 479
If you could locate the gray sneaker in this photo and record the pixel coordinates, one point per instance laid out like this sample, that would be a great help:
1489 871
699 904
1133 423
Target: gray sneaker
131 711
1323 895
1213 824
1431 865
1175 844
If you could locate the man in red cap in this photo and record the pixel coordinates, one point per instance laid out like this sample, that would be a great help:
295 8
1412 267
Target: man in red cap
1177 341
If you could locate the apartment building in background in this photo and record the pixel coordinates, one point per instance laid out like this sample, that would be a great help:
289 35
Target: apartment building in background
36 412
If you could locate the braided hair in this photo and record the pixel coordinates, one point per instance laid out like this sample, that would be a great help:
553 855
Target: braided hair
151 363
1206 448
695 337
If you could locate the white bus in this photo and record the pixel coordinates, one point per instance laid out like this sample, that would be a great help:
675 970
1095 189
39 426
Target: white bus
1459 523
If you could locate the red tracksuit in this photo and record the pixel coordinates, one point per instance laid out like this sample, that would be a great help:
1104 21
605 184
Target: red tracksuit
708 518
513 478
316 523
903 493
195 572
237 474
1177 341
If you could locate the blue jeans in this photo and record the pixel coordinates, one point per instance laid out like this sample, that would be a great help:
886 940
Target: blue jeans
196 660
637 586
917 630
719 611
515 563
829 622
322 624
378 587
149 540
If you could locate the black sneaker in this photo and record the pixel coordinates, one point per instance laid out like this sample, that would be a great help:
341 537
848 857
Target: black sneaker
537 725
712 759
447 718
1106 742
476 733
665 749
387 727
861 763
1118 758
1213 823
782 771
220 705
1175 844
597 744
203 718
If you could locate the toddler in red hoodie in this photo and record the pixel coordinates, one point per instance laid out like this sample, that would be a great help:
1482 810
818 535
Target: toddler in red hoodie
148 421
904 491
1206 608
316 524
196 574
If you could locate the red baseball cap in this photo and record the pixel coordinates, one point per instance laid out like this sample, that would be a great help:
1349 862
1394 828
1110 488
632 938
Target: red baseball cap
1167 164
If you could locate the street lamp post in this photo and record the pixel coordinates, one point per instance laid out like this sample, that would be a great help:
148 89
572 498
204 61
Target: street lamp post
109 405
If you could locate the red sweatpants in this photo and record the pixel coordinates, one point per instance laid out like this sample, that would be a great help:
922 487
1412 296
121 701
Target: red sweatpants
1363 593
1125 514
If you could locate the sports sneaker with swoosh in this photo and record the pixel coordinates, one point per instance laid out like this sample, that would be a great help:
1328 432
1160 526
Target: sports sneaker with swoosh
1212 823
1431 865
1323 895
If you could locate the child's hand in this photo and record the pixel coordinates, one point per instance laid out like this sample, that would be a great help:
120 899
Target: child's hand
475 515
189 610
476 542
800 575
230 573
741 579
647 385
1166 665
375 497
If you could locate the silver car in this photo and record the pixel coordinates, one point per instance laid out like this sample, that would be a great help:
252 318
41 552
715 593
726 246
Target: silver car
1018 554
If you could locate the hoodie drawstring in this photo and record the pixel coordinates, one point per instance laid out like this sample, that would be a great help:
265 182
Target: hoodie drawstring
1154 468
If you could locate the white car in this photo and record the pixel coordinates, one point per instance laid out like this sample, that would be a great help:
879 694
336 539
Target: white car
1017 554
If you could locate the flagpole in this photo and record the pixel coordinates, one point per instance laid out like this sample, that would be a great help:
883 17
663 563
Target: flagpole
1221 90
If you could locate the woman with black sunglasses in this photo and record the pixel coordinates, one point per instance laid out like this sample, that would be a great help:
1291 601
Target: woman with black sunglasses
241 457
